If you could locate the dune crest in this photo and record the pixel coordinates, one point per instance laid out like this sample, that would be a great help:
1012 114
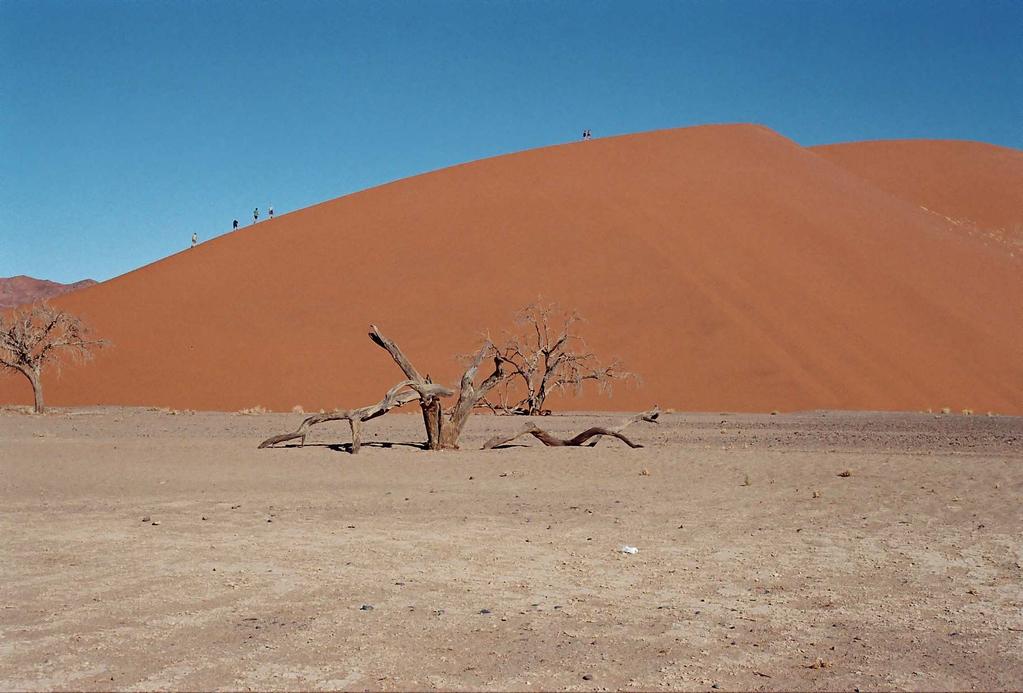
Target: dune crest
728 266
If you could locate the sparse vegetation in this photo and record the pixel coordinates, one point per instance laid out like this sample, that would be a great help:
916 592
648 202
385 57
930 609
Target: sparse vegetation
41 335
253 411
546 356
443 427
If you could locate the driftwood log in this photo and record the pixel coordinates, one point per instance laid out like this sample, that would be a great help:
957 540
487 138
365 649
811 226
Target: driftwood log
594 433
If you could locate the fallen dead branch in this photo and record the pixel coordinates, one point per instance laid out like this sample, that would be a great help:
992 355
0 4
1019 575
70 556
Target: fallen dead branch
596 433
402 393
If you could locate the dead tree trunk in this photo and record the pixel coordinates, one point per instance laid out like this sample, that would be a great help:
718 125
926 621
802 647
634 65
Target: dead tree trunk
400 394
550 440
649 416
443 430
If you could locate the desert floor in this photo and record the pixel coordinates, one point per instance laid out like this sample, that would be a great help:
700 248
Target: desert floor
759 565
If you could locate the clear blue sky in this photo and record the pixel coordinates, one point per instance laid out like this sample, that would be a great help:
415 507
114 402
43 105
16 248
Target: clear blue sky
126 126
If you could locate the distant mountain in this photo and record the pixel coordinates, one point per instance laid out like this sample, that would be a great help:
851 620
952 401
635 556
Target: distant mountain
15 291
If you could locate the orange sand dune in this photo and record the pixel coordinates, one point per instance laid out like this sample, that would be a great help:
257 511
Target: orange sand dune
730 267
979 187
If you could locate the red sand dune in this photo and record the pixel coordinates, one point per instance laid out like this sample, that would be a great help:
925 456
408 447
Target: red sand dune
978 187
21 289
730 267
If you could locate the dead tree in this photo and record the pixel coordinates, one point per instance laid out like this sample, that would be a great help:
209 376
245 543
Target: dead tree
38 335
594 433
443 429
400 394
547 356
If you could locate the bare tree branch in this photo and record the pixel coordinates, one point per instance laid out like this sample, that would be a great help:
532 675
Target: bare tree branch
395 397
597 432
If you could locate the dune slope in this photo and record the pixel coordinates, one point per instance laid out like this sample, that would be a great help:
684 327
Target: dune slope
729 267
978 187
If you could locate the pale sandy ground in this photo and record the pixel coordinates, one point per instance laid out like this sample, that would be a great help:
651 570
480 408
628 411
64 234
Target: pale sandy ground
255 563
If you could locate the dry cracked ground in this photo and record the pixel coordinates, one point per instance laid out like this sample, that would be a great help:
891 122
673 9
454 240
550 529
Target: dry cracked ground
158 550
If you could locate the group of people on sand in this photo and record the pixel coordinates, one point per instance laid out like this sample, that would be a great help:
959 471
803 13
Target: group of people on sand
234 224
587 135
269 213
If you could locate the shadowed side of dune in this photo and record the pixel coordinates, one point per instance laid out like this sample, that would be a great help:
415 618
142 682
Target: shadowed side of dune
976 186
729 267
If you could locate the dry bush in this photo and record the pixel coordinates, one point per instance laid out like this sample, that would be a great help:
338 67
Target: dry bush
253 411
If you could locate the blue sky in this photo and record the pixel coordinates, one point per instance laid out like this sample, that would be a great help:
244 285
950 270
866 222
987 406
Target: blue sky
126 126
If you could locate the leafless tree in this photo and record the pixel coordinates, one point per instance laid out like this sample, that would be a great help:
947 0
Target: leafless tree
443 428
39 335
546 356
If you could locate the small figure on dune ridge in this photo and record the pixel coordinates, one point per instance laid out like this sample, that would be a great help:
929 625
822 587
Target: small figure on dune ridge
255 215
195 239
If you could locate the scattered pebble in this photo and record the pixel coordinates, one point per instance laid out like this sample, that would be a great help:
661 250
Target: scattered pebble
155 523
146 518
587 677
484 611
846 474
366 607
